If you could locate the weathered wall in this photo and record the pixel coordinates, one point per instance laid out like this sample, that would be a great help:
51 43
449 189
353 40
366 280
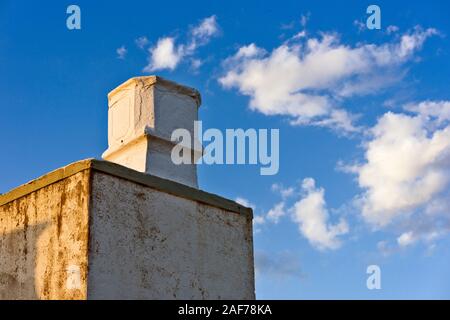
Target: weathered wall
139 236
43 242
148 244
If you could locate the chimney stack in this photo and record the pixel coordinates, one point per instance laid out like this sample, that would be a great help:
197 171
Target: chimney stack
142 114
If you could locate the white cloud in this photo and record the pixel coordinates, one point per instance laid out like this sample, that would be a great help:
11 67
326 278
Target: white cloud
360 25
339 120
306 78
250 51
437 111
406 239
273 215
299 35
370 84
121 52
276 213
407 166
392 29
258 220
142 42
167 54
311 215
304 18
244 202
287 26
410 42
284 192
385 248
202 33
196 64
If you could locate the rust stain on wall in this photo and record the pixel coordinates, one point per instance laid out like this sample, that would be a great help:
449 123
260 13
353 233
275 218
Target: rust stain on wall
43 235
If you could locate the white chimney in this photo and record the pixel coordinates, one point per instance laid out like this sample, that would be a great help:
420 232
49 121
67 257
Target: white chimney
143 112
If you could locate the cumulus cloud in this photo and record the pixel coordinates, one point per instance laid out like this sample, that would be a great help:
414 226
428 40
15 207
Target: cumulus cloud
406 167
167 53
307 78
311 215
405 174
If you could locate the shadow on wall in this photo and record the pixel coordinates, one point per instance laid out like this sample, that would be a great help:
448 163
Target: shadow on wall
18 252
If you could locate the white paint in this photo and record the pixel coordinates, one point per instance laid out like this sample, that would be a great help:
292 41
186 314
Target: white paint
148 244
143 112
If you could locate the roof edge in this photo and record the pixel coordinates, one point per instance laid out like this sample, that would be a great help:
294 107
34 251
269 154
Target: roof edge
45 180
152 80
154 182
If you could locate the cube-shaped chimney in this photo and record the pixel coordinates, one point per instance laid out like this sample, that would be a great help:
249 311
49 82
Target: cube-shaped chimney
143 112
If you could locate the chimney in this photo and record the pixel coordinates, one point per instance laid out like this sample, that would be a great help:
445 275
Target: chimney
142 114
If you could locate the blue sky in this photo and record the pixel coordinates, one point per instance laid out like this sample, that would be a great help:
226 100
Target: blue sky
363 117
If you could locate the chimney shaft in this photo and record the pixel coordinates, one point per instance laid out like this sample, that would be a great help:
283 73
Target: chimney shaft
143 112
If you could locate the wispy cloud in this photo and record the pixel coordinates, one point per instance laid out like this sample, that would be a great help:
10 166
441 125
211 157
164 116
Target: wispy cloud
168 54
121 52
281 265
392 29
361 26
142 42
304 18
277 212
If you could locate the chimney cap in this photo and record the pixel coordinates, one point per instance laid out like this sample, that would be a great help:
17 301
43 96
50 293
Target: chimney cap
152 80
